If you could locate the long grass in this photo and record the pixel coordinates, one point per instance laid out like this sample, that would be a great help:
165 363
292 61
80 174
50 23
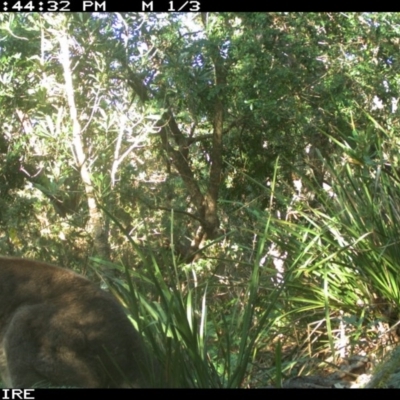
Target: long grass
341 254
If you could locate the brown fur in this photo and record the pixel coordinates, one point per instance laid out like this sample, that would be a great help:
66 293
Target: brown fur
59 329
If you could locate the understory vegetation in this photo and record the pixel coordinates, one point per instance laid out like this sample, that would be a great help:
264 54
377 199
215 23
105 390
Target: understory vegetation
233 179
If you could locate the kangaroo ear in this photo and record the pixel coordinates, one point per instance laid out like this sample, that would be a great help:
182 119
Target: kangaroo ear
59 329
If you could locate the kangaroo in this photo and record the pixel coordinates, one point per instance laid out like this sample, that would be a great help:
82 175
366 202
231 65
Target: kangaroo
59 329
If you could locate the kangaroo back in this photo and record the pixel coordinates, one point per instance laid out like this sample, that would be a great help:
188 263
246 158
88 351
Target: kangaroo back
59 329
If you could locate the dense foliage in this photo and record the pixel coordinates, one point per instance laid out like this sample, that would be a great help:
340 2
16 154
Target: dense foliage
233 177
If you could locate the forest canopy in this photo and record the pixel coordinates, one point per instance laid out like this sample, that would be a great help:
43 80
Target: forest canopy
246 164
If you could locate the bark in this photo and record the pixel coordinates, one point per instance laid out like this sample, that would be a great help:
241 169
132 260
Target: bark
177 145
95 226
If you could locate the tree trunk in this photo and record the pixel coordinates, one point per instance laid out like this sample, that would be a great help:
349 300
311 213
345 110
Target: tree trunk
95 226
